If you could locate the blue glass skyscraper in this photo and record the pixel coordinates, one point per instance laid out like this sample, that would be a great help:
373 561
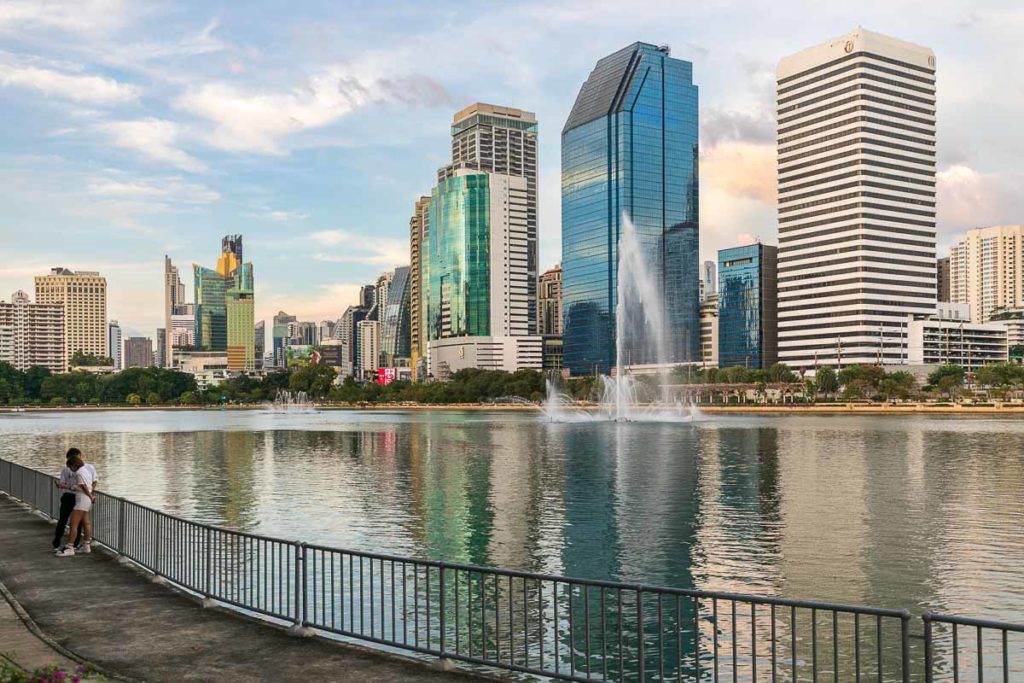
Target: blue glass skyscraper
747 306
630 145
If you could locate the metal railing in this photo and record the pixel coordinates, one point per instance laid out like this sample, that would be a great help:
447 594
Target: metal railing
550 626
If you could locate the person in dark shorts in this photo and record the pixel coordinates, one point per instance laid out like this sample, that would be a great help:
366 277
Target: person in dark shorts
68 485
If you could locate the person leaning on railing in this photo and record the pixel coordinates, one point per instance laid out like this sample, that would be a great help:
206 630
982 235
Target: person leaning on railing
68 485
84 499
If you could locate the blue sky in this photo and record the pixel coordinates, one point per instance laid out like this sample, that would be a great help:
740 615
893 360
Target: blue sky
134 129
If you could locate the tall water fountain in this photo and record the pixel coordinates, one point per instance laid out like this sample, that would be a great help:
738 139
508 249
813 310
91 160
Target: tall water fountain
639 340
288 402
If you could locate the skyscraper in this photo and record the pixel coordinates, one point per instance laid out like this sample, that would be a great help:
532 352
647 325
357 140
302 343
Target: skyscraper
224 307
369 349
174 304
629 147
138 352
503 140
84 297
419 227
549 302
708 279
747 303
394 331
260 342
942 275
856 169
280 337
114 344
32 334
986 270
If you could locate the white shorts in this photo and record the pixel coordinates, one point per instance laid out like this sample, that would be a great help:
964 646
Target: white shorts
83 502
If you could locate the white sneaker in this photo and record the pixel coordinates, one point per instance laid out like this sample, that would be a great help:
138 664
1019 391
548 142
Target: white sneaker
67 551
86 548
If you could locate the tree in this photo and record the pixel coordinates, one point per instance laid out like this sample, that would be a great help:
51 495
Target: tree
947 378
133 399
89 360
826 381
780 372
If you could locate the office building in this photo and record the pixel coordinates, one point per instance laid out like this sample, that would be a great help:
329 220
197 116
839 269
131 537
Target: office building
325 331
448 356
549 302
224 307
84 297
419 226
303 333
501 140
942 273
709 331
161 348
747 302
394 331
183 328
260 343
174 306
368 351
32 334
1013 320
948 337
708 280
138 352
280 337
856 173
347 333
552 353
986 270
629 147
114 344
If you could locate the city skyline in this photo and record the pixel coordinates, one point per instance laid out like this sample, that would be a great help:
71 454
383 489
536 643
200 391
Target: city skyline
117 156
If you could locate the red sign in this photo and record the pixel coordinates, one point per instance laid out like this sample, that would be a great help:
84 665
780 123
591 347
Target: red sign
385 376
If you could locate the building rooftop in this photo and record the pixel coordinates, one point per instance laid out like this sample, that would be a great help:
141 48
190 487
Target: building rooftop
858 40
494 110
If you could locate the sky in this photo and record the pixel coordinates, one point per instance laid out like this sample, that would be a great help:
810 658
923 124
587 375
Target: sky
131 129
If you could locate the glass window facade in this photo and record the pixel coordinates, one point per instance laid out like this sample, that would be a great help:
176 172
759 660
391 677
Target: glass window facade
394 342
747 304
630 146
457 258
211 310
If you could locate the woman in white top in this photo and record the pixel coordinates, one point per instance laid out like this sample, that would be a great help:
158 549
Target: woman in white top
84 498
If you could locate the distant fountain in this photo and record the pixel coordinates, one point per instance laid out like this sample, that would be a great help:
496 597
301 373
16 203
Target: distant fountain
287 402
639 339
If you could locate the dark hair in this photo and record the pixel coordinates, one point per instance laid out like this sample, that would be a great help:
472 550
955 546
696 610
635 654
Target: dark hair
73 453
75 462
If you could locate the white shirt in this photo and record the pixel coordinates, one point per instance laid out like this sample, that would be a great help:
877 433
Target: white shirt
69 481
85 477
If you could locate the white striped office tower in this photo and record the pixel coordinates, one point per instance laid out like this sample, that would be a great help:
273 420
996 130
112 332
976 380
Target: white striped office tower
856 174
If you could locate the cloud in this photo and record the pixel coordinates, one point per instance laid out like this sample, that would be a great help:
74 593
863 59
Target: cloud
969 198
740 169
388 253
324 302
73 16
78 87
257 121
164 191
279 216
154 139
721 125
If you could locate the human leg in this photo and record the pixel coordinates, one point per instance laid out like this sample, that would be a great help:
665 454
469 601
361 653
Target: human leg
67 504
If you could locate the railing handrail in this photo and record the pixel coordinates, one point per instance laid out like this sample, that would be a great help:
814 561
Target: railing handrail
970 621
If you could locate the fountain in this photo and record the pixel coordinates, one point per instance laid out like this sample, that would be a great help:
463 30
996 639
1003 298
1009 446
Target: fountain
640 336
287 402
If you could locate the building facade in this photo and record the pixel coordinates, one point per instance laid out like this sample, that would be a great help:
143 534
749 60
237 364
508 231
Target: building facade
395 346
950 338
709 331
448 356
419 227
368 351
501 140
942 273
629 148
260 343
224 307
708 279
32 334
280 336
174 305
747 306
986 270
549 302
84 297
114 344
856 173
138 352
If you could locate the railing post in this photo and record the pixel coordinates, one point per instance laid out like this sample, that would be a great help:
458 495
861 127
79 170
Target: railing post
905 644
208 573
159 544
444 648
301 602
926 617
120 526
641 675
305 584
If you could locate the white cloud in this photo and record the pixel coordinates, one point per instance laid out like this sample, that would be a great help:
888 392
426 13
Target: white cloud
73 16
155 139
279 216
73 86
388 253
324 302
166 191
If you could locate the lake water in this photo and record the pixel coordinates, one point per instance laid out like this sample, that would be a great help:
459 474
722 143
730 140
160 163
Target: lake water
885 511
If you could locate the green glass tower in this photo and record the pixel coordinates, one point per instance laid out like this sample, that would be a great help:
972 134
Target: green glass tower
225 308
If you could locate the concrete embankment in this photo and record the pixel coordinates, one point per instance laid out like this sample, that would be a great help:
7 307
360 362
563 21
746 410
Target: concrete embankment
112 616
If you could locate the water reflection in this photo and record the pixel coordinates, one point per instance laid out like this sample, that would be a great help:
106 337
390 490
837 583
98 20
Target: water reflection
901 512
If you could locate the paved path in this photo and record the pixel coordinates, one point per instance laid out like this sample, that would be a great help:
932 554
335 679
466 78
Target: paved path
22 647
112 616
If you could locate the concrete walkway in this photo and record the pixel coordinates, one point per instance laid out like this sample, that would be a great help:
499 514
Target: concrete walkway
112 616
22 647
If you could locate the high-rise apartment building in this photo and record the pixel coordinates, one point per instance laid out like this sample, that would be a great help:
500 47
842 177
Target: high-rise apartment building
174 304
549 302
942 275
747 303
114 344
369 348
183 328
224 307
260 343
629 148
708 280
501 140
986 270
84 297
419 226
856 174
280 337
477 248
709 331
32 334
394 331
138 352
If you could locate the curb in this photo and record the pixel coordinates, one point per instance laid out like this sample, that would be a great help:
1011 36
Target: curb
34 629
